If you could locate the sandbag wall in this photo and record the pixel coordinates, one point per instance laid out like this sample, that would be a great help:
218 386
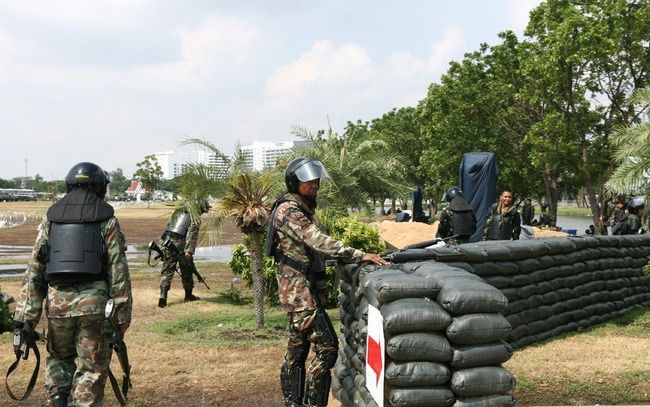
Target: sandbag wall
443 331
557 285
552 286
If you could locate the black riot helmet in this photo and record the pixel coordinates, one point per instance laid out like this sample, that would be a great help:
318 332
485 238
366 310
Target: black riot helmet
87 175
452 193
304 170
636 203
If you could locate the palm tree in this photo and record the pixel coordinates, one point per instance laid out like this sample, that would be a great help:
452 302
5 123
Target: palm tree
632 151
248 202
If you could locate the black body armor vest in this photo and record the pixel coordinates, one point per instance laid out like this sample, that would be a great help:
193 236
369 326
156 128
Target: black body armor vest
76 251
501 226
463 219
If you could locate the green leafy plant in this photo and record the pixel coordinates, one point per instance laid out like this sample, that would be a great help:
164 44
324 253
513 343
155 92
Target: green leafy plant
6 324
240 265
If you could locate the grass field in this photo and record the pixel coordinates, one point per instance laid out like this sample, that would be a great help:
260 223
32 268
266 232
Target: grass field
208 353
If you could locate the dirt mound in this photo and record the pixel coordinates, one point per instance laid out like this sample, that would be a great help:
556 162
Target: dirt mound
400 234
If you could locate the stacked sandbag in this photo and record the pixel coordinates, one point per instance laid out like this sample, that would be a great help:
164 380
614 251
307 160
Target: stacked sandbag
556 285
444 336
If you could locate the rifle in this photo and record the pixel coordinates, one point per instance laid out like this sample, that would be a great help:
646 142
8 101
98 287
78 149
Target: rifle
159 254
115 339
24 339
169 244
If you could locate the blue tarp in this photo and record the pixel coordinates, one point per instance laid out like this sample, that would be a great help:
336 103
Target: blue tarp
478 180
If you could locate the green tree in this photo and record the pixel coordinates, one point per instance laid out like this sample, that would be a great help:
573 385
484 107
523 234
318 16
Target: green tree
119 183
149 173
587 56
632 152
248 202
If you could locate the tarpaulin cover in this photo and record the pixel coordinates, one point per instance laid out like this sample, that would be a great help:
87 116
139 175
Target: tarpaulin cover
478 180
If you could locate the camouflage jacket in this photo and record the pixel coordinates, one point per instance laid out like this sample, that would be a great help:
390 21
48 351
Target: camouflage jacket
81 299
297 233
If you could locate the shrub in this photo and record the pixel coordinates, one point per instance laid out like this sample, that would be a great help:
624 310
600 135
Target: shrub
240 264
6 323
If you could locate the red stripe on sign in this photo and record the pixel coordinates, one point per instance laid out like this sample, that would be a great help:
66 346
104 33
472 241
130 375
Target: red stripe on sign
374 357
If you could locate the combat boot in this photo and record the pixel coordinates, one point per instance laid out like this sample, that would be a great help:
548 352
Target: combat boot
162 301
318 390
189 297
59 400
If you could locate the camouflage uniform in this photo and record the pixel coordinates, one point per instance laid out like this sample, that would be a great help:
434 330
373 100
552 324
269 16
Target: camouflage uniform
183 244
502 223
299 235
75 318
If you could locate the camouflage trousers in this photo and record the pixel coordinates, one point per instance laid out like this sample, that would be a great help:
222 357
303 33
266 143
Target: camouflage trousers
170 263
77 361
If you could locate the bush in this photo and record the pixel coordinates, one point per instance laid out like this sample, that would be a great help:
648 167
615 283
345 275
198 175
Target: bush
240 264
6 323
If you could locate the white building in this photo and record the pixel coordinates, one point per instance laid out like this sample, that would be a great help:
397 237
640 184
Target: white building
264 154
172 163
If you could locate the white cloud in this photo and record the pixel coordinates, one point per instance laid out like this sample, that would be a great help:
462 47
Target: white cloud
219 44
322 67
519 13
404 64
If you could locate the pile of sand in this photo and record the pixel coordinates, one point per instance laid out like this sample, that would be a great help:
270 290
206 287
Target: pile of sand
400 234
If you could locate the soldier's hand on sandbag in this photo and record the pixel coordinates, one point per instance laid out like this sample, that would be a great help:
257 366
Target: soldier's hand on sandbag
374 258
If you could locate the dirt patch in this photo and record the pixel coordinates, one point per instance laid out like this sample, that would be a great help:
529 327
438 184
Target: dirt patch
139 223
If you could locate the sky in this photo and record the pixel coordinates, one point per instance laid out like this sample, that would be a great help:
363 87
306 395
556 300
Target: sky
112 81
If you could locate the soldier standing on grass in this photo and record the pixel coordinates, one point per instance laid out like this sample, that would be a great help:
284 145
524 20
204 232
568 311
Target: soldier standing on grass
183 233
299 247
77 264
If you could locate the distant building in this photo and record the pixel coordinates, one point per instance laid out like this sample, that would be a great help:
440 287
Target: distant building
174 163
263 154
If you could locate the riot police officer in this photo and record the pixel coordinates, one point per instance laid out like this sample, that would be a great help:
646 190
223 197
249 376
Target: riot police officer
78 263
178 243
631 224
457 219
299 245
503 221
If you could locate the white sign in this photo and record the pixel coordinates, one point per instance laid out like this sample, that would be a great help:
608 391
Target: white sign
375 355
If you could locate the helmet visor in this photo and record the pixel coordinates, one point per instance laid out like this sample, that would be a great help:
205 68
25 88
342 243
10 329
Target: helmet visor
312 170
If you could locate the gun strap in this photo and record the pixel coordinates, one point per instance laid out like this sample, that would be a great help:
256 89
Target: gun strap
120 394
30 344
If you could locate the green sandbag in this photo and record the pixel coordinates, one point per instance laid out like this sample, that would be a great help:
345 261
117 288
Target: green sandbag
474 329
419 346
481 381
437 396
414 315
418 373
463 296
488 354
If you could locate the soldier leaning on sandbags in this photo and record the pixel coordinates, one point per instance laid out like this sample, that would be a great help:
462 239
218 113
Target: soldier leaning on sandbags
299 246
503 221
77 264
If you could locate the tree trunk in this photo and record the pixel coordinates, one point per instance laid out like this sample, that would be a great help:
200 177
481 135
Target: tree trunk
550 188
382 201
393 205
257 263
